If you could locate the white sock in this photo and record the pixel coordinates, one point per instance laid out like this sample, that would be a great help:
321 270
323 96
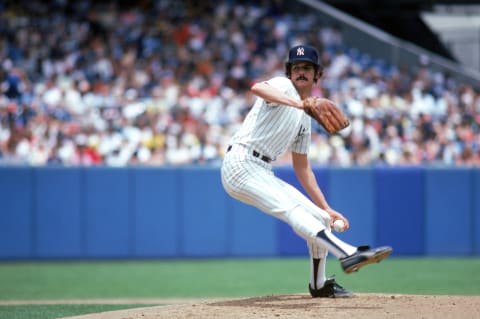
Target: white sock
317 272
338 248
318 257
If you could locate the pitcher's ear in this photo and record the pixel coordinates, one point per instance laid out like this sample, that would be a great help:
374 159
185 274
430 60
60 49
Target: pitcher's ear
318 74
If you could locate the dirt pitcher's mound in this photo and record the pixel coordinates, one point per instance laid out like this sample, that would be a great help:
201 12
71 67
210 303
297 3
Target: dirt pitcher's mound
361 306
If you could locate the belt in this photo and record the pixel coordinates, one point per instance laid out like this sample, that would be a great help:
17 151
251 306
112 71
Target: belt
264 158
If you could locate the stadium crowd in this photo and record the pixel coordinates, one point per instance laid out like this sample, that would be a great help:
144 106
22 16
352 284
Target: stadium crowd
166 83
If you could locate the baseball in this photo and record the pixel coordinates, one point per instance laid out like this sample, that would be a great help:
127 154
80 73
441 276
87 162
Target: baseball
339 225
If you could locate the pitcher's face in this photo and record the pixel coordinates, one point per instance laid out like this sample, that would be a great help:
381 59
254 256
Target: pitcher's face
303 74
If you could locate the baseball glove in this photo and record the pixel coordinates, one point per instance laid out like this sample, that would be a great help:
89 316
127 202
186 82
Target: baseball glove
326 113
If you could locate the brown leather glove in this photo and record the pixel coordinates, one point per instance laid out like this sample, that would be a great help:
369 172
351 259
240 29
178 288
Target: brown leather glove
326 113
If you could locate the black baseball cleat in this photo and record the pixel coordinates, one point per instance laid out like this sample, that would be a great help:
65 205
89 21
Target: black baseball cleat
364 256
331 289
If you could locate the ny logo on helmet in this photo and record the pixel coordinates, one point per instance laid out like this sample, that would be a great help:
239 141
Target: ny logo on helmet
300 51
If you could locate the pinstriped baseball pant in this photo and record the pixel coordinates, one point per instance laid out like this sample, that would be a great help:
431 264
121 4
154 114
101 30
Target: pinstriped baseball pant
251 180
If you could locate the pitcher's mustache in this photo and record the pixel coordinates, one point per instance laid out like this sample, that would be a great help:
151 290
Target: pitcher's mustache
302 78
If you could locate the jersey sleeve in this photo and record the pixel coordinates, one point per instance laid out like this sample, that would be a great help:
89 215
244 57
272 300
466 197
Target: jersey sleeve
302 141
283 84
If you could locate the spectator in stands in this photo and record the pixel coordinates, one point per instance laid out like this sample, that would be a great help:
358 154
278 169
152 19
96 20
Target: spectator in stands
150 86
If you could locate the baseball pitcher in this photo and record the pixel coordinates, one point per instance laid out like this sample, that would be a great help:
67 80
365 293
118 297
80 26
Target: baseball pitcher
279 122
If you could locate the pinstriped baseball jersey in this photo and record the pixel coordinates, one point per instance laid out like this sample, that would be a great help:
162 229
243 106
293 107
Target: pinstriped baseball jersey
273 129
270 130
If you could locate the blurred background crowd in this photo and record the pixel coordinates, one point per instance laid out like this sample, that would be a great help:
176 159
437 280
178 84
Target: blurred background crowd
167 83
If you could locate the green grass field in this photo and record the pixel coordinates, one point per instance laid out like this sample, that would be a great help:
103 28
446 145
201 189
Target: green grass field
214 278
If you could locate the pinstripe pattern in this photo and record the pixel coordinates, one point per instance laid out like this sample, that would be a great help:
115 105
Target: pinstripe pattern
271 130
252 181
274 129
315 250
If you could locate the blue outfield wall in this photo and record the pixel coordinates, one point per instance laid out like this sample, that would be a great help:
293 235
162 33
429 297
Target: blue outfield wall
400 209
96 213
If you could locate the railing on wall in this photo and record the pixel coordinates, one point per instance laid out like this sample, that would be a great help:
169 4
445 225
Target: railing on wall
91 213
